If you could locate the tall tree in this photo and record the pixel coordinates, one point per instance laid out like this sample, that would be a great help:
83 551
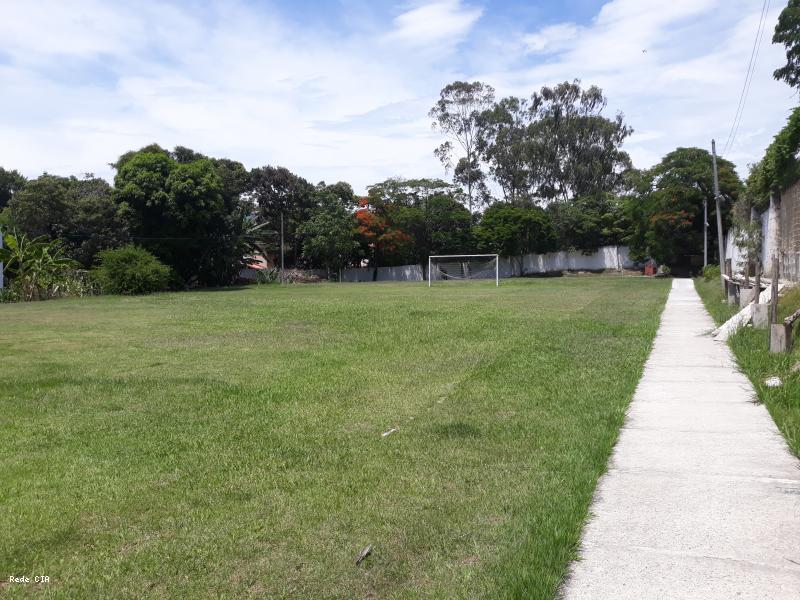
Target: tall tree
787 32
182 213
457 114
329 235
504 142
80 212
10 183
667 213
43 207
577 149
428 211
383 244
279 192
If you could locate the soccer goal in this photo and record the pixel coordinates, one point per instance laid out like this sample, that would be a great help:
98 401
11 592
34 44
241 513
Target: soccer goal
463 267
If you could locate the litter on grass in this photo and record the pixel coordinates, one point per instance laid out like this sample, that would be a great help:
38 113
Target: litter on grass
390 432
364 554
773 382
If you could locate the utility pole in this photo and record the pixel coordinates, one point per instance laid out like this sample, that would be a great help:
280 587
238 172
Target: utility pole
705 232
720 234
282 278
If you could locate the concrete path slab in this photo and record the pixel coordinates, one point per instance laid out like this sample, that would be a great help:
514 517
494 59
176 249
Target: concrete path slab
702 497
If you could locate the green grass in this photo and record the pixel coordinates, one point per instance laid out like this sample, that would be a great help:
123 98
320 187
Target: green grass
228 443
751 348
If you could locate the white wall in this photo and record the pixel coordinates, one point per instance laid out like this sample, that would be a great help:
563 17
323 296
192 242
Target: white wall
770 232
607 257
402 273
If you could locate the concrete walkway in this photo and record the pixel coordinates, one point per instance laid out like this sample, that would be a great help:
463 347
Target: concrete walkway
702 498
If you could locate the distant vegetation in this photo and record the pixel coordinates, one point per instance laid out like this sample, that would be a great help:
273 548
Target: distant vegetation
528 175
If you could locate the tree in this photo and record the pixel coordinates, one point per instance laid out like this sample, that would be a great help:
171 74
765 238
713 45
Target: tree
341 191
503 143
43 207
10 183
574 150
787 32
329 236
554 147
428 211
382 243
514 231
80 212
96 222
457 114
279 192
588 223
667 211
183 213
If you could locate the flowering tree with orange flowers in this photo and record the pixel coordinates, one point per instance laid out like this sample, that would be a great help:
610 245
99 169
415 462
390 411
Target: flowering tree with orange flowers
383 244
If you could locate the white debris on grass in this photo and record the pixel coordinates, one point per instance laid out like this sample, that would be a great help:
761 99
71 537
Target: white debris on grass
773 382
390 432
740 319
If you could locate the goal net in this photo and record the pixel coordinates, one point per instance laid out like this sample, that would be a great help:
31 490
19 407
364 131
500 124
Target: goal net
462 267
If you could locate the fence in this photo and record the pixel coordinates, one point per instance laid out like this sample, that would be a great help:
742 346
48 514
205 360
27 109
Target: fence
607 257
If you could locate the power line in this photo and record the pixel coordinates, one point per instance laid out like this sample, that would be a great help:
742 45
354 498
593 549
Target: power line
748 79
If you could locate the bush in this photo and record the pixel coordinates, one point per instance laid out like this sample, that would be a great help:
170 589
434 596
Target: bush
130 270
37 268
265 276
711 272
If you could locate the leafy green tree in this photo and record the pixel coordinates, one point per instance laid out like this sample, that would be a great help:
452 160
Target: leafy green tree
667 211
10 183
428 211
586 224
514 231
575 151
504 143
278 192
787 32
80 212
554 147
457 114
341 191
43 207
96 222
329 236
182 213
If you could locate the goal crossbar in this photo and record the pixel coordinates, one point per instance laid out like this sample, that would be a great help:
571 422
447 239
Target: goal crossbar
431 260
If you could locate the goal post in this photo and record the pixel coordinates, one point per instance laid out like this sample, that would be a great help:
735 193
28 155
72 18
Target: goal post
444 267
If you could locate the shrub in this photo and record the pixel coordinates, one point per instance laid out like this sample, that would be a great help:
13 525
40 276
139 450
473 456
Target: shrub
37 268
711 272
130 270
265 276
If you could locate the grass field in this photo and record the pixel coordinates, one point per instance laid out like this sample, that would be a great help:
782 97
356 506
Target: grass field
228 443
751 348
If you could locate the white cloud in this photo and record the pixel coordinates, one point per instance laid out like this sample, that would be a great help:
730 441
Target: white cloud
83 83
435 22
675 70
555 38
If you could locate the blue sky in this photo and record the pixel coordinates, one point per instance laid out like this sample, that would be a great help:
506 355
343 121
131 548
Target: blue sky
340 90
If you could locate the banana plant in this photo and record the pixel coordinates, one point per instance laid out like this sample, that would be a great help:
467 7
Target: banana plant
37 266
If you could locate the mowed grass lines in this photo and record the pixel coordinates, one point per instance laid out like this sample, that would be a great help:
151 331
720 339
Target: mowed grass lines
228 443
